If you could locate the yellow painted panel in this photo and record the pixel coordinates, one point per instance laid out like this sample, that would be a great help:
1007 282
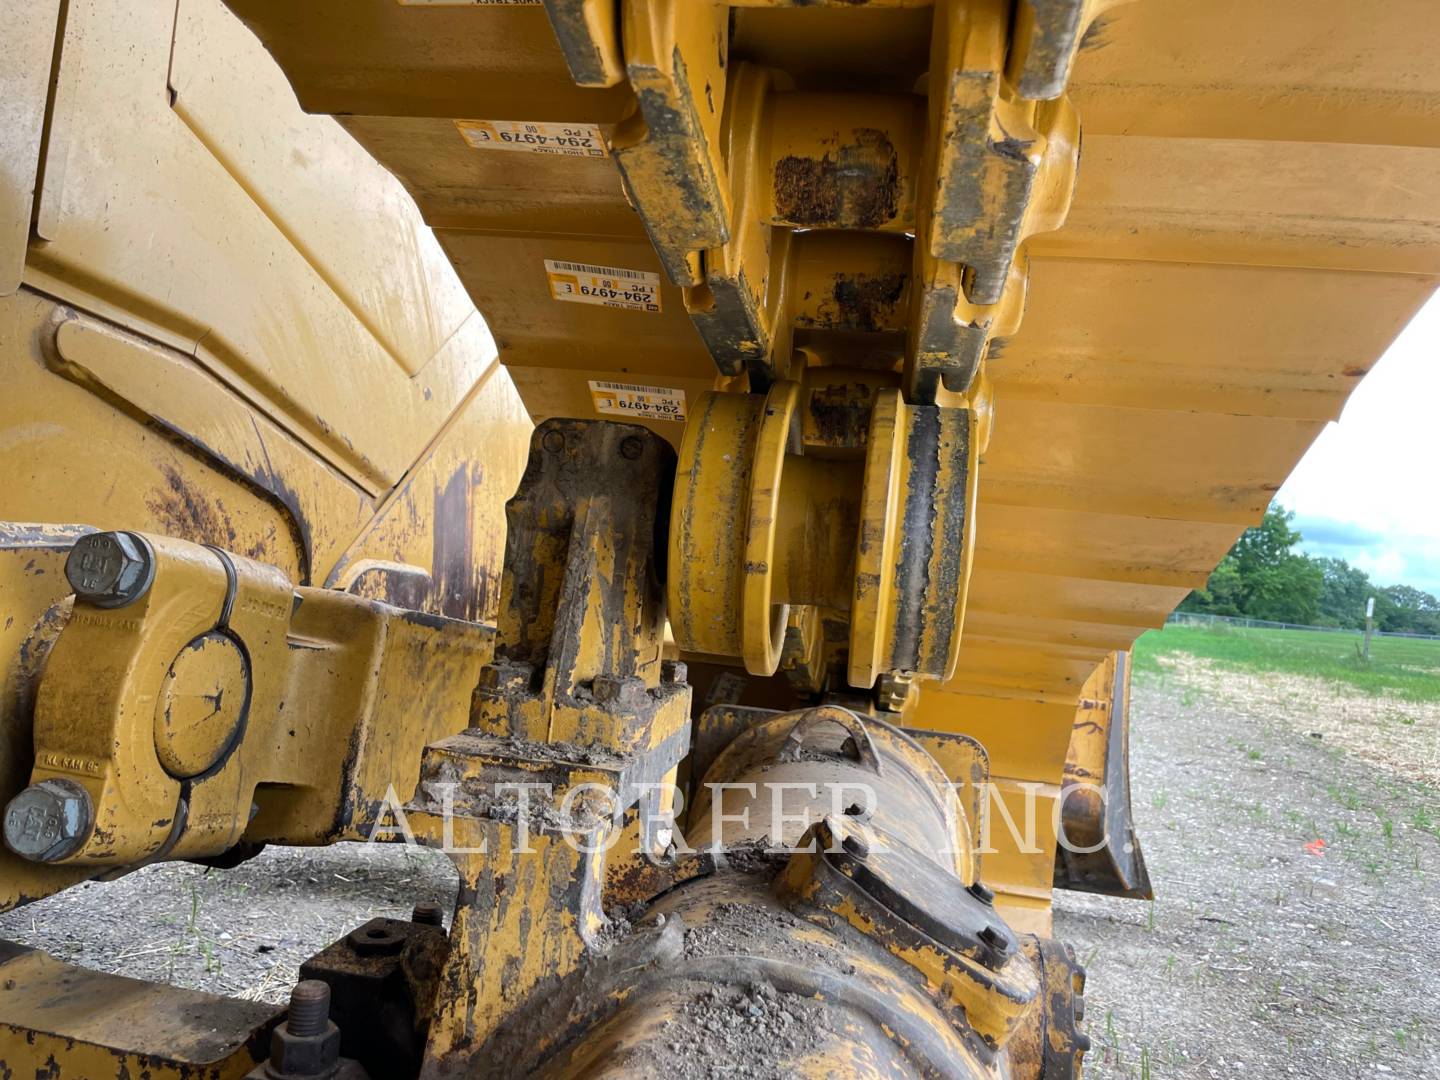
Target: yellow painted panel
382 58
1020 862
996 665
327 195
192 258
458 186
1107 547
1072 599
1224 339
1255 201
1322 70
1022 736
69 455
25 54
1139 462
507 279
1046 630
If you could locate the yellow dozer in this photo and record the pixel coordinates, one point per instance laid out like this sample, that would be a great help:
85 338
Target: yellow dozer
701 460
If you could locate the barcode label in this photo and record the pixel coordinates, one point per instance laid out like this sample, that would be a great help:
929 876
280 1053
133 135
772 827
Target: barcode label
518 136
610 271
638 402
607 286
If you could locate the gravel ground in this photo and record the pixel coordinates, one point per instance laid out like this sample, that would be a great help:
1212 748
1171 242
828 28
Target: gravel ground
1260 956
1265 953
242 932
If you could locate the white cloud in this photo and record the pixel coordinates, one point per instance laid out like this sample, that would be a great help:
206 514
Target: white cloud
1369 488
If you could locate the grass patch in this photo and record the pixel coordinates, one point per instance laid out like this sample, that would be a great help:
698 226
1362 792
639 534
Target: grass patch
1400 667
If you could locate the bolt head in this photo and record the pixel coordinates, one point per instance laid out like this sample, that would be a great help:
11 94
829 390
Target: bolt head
673 672
894 689
855 844
110 569
631 448
304 1055
996 941
49 821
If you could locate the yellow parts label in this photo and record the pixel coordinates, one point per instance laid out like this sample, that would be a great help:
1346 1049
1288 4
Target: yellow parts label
638 402
566 140
607 286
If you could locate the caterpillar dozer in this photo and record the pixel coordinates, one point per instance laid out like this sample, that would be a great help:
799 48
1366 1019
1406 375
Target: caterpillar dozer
699 464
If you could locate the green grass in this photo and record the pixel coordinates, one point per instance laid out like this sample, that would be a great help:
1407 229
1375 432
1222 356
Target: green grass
1404 667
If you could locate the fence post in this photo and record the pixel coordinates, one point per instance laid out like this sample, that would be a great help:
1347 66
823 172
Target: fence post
1369 625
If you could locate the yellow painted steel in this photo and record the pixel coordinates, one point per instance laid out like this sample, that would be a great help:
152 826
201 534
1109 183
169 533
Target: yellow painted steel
1185 333
256 345
71 1021
223 706
828 233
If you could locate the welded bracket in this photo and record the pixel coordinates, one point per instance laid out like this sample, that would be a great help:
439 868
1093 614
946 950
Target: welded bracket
571 724
1102 850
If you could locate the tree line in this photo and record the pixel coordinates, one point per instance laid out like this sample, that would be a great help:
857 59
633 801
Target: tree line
1264 577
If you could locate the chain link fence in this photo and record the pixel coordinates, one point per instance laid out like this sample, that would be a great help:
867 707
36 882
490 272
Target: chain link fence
1196 618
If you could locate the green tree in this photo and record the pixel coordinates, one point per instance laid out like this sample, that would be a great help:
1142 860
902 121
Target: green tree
1343 593
1406 609
1221 594
1263 577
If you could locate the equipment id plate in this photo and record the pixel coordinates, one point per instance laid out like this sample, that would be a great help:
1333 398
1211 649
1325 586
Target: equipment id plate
568 140
608 286
638 402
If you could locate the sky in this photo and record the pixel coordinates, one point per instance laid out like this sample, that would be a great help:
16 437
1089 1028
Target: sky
1369 489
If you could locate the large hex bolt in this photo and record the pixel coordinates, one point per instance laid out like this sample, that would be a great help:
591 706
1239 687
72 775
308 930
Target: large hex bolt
307 1044
49 821
110 569
309 1008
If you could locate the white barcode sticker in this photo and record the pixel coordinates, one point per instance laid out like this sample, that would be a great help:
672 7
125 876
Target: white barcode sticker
608 286
638 402
569 140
